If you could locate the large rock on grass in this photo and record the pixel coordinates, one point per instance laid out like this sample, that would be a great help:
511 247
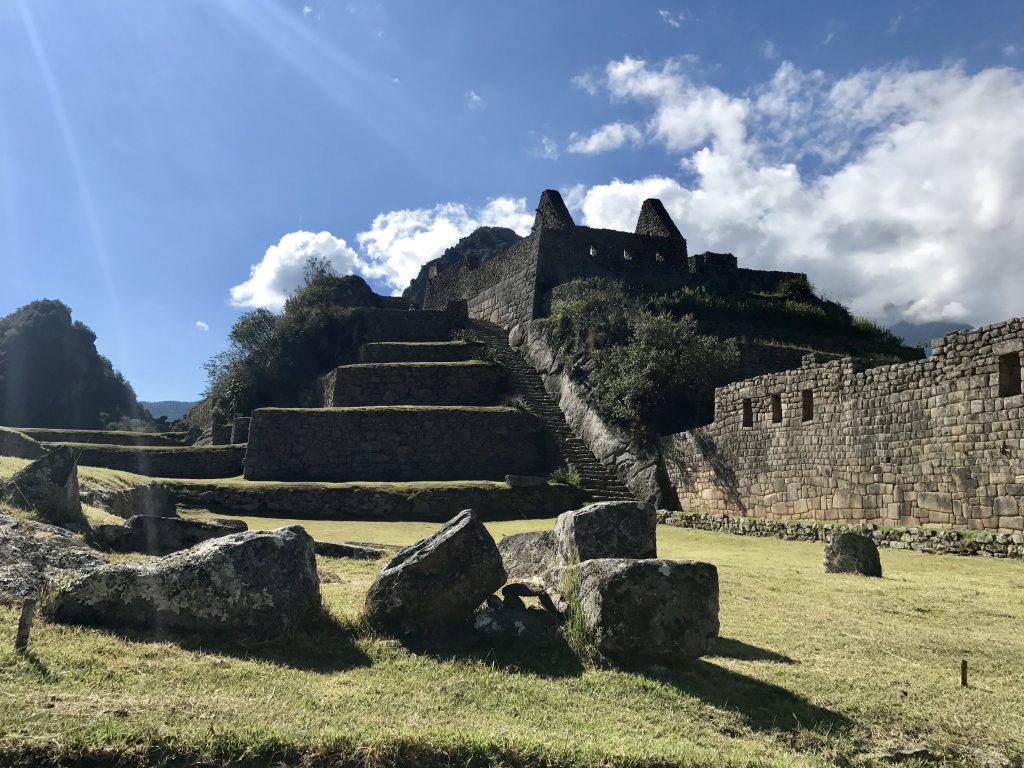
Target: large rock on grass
850 552
257 583
607 529
161 535
528 556
660 611
33 555
436 583
49 487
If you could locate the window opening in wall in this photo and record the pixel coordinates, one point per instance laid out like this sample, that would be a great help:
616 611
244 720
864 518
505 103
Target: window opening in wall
808 404
593 251
658 257
776 409
627 255
748 412
1009 374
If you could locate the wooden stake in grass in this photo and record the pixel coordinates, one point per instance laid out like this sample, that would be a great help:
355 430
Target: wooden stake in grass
28 613
963 673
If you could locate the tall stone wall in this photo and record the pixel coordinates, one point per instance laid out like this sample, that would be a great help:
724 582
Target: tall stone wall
502 290
394 444
472 382
936 442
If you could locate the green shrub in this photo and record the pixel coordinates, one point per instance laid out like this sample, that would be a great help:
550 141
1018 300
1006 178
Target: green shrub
518 402
566 475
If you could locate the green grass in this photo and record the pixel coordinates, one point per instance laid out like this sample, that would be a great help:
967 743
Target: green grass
393 408
116 432
812 670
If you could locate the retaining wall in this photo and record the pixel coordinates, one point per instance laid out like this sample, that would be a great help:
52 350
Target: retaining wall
394 444
103 437
364 502
936 442
14 443
205 462
459 383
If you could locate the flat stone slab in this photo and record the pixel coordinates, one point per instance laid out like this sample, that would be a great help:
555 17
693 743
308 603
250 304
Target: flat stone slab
607 529
161 535
349 550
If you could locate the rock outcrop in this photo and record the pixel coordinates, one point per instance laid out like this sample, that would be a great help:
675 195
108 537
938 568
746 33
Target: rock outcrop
662 611
33 555
48 486
257 583
437 582
624 529
850 552
161 535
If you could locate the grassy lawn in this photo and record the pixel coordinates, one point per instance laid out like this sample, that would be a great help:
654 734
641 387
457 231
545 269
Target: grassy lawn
810 669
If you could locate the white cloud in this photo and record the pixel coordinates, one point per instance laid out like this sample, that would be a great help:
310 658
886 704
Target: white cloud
895 23
548 148
673 19
769 51
306 10
282 267
899 191
587 82
398 243
829 38
202 326
605 138
474 100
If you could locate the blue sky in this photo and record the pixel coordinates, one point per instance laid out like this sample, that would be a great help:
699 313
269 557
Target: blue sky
152 154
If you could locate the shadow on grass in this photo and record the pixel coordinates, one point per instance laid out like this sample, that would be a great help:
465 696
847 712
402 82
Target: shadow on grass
728 648
548 657
323 645
763 706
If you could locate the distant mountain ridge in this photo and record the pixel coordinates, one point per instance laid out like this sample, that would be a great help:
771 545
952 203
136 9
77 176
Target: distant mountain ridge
171 409
922 334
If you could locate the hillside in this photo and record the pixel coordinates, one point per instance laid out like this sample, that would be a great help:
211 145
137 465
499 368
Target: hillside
52 376
483 243
171 409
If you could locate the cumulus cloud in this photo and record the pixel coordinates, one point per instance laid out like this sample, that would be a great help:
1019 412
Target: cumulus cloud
281 270
605 138
398 243
202 326
899 191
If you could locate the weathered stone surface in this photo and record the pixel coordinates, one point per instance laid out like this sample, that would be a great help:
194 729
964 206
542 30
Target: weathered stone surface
151 499
349 550
187 461
240 430
48 486
161 535
852 553
607 529
33 555
530 624
255 583
648 610
468 382
438 581
528 556
16 443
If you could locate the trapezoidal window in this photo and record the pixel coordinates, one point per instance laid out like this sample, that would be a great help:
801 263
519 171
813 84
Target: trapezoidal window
748 412
807 412
776 409
1009 374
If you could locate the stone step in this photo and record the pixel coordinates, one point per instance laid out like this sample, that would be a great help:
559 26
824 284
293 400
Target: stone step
465 382
394 443
420 352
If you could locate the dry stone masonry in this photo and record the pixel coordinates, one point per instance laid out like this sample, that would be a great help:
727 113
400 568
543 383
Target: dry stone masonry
935 443
472 382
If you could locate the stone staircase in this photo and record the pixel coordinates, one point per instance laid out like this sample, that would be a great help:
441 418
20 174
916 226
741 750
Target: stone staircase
600 484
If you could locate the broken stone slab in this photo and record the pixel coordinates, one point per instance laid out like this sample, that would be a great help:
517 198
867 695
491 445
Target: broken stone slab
528 556
161 535
607 529
525 481
531 624
349 550
851 552
437 582
48 486
34 555
256 583
651 610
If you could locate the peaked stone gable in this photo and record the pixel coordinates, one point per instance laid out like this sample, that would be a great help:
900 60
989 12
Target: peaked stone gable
654 220
552 213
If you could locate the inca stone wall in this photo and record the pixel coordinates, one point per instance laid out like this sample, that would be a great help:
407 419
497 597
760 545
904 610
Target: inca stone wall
935 442
394 444
204 462
364 502
450 383
154 439
15 443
